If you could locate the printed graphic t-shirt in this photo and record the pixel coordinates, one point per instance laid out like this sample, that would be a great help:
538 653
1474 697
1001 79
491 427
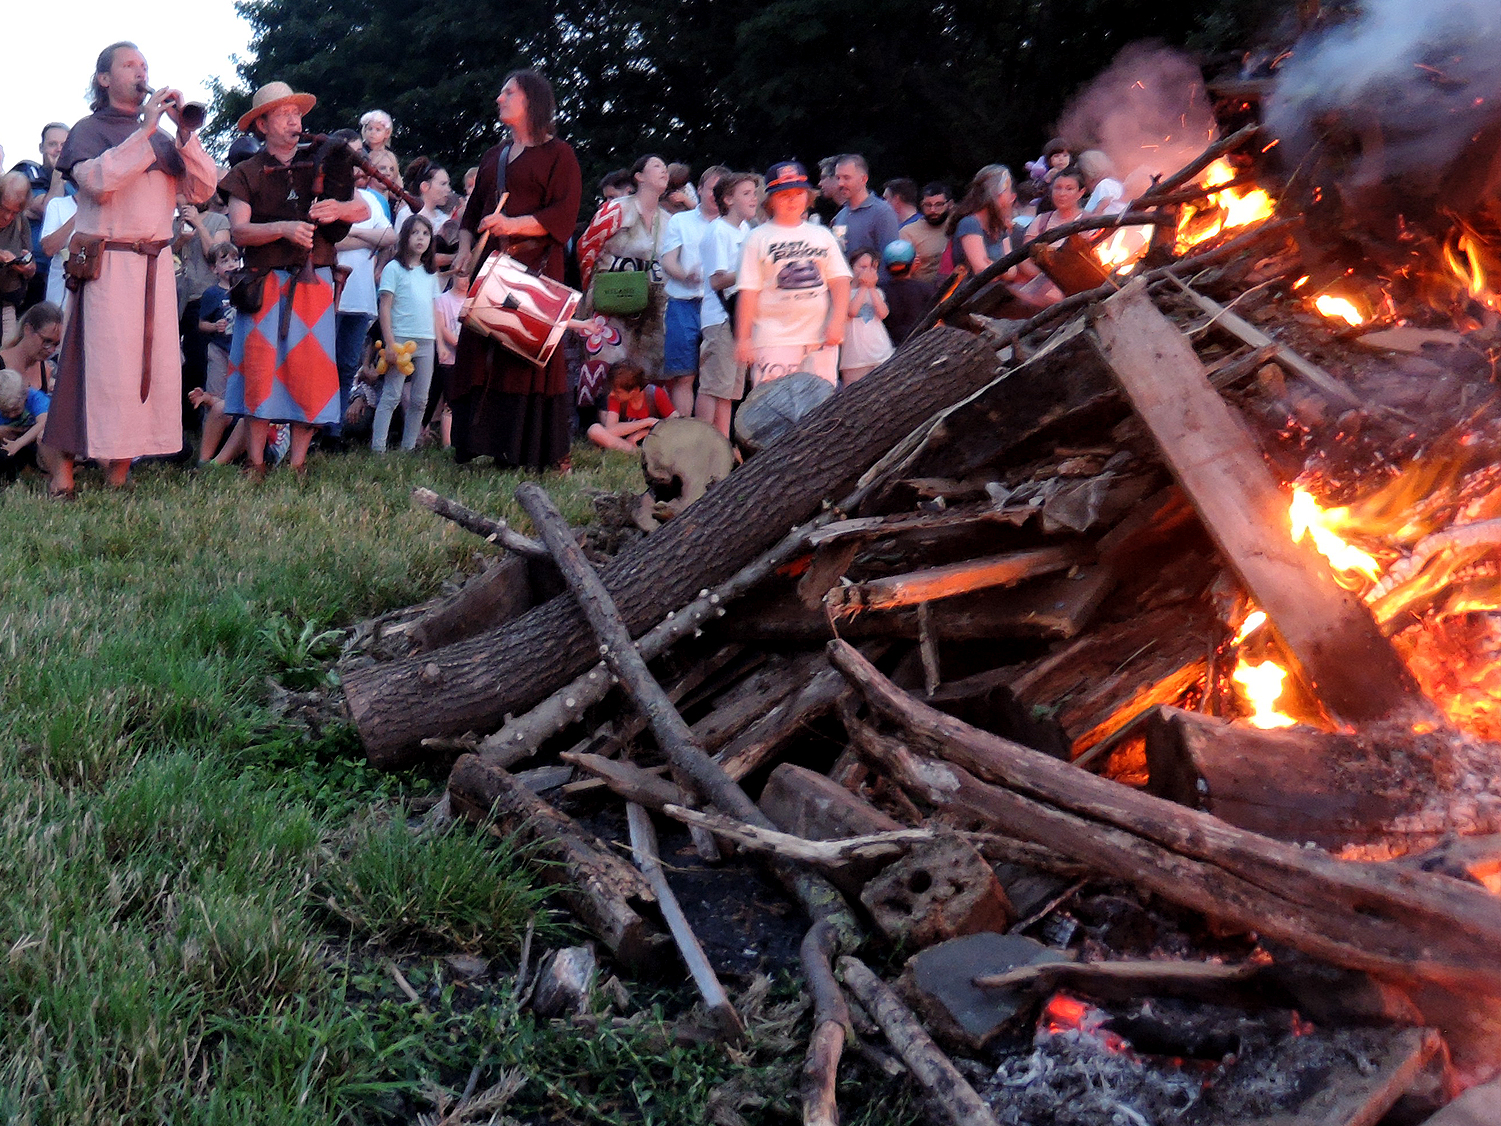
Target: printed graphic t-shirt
791 267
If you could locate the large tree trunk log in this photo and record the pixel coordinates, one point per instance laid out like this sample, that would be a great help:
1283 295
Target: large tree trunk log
605 892
473 685
1406 926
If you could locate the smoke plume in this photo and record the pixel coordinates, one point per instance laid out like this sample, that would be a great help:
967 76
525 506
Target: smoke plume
1147 111
1427 72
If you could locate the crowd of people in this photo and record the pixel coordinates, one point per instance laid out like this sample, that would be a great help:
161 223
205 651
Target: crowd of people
310 289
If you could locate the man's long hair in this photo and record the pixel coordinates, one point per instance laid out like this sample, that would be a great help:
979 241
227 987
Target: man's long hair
541 106
98 95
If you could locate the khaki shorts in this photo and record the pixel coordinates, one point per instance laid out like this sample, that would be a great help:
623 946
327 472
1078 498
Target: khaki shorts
718 373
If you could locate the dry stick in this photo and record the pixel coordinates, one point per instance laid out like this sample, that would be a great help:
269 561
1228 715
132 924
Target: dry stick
1222 147
831 1024
818 897
496 531
521 736
485 237
949 1094
1132 216
874 846
960 297
1147 974
644 851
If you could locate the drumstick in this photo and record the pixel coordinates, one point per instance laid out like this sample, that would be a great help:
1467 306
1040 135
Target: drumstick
485 236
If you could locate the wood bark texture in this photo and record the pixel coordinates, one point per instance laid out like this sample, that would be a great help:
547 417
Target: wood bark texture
605 892
949 1095
473 685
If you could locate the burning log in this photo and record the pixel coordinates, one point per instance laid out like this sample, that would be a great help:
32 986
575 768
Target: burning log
1392 924
474 684
1340 651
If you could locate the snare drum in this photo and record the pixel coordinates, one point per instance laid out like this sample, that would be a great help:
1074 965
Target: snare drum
525 313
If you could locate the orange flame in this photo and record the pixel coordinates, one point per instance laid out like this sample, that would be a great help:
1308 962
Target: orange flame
1338 308
1236 207
1261 685
1470 271
1320 524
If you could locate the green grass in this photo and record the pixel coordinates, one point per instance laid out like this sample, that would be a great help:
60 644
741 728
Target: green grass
200 904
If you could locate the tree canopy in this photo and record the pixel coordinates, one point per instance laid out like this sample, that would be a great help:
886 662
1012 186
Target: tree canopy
928 91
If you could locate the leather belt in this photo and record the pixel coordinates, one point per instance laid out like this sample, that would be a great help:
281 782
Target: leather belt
151 250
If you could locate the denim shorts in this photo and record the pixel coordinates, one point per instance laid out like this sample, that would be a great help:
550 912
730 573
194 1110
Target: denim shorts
680 349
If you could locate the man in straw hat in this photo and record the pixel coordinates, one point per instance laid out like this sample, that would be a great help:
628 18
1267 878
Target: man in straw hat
287 211
119 379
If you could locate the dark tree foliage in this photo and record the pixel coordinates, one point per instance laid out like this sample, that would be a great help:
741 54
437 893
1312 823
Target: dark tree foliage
929 91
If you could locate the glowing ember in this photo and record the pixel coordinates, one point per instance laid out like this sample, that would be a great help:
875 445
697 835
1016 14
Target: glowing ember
1338 308
1262 687
1254 621
1309 519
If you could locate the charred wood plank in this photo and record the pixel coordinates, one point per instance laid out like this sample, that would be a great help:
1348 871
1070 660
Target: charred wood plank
1336 644
1299 784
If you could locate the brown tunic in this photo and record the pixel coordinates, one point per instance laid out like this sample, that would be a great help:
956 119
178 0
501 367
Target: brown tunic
280 193
543 182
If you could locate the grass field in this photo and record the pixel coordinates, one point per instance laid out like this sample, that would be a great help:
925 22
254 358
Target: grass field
200 906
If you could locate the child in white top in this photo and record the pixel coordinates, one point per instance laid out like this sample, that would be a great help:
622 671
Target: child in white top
408 312
866 342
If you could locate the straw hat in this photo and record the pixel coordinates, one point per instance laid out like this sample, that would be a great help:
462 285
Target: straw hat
269 97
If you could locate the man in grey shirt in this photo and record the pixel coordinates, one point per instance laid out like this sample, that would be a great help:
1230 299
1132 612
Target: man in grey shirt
865 222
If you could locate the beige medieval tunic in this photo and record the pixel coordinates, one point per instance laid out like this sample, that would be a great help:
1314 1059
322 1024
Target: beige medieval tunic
98 411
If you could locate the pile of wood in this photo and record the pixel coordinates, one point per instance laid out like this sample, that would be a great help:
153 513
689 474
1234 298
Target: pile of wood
965 627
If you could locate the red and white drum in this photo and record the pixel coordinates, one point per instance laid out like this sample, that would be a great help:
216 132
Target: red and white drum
526 313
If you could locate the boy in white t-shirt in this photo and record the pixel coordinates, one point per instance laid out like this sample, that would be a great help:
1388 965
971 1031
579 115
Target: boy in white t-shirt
721 380
794 287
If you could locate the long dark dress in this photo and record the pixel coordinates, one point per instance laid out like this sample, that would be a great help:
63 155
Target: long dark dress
503 406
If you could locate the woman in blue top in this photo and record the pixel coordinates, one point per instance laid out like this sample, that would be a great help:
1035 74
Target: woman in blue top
983 231
408 301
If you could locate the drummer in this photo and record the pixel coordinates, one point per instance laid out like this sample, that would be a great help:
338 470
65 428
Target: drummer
526 203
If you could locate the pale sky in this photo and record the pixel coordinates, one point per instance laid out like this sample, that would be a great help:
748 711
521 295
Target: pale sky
51 48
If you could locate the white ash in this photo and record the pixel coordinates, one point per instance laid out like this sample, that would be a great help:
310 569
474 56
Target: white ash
1073 1078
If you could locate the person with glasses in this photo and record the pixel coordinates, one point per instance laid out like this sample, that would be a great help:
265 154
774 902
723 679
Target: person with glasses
30 349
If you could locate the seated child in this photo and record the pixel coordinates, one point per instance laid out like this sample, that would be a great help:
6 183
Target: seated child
23 414
633 408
